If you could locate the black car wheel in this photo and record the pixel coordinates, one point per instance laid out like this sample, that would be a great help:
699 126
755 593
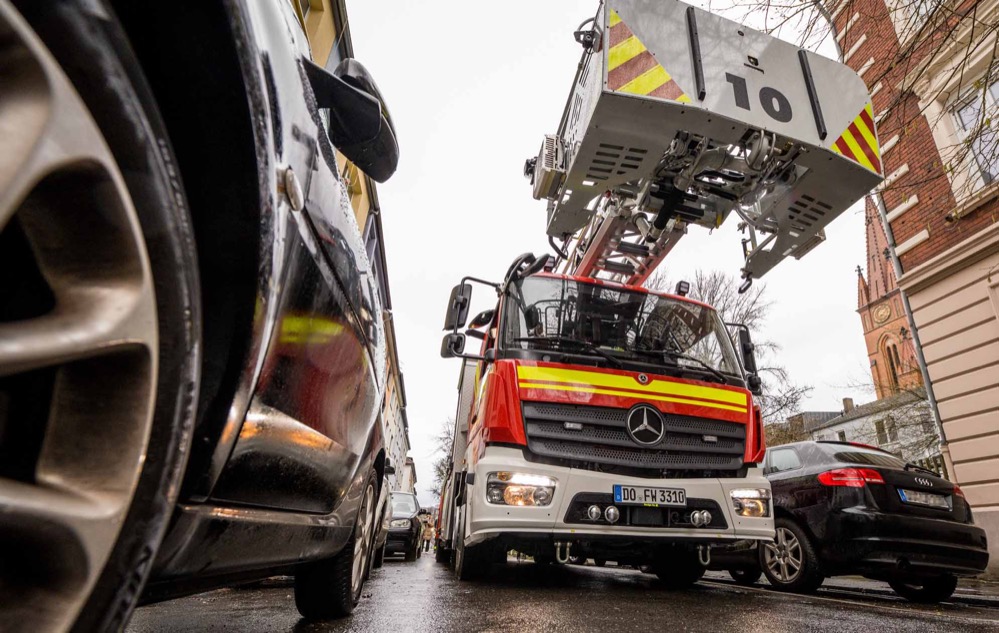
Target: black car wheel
331 588
678 569
790 562
926 591
746 576
99 321
413 551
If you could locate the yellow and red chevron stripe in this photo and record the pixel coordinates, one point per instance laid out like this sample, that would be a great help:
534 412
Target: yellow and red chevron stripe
631 68
600 383
859 143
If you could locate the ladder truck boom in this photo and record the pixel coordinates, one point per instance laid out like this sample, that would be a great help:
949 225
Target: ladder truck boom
679 117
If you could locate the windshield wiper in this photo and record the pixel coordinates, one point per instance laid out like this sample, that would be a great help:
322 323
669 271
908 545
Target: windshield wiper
911 466
571 341
676 355
700 362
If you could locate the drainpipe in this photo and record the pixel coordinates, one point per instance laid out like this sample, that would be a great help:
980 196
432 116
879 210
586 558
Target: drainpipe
897 266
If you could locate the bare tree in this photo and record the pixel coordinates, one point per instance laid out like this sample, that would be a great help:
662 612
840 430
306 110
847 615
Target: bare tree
444 440
901 423
947 55
781 395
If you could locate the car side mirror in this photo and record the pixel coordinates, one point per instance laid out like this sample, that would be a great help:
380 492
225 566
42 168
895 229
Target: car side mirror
359 122
457 307
452 345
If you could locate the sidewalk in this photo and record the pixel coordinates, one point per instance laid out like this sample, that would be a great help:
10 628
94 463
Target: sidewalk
974 591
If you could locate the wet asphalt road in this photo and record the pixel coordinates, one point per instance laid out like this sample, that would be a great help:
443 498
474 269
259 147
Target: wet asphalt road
425 596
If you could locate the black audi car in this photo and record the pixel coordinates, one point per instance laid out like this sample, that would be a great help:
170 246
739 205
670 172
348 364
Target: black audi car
192 354
405 529
845 508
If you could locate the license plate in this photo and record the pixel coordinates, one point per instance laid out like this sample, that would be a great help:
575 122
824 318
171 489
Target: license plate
652 497
924 498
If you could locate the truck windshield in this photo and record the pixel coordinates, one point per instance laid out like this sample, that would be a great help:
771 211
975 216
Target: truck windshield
550 313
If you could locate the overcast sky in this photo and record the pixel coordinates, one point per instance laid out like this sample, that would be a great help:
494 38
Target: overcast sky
473 87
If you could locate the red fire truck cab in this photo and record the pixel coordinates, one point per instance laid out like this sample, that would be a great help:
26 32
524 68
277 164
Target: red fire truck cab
603 421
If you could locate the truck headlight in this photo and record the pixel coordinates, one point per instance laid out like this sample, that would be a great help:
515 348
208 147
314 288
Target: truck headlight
751 502
399 523
519 489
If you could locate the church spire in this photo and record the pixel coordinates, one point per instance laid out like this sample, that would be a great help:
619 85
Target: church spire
880 279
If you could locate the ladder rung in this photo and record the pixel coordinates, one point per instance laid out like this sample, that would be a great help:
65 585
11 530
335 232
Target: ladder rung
623 268
630 248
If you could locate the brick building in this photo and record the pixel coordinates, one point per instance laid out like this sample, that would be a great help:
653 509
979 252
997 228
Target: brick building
930 65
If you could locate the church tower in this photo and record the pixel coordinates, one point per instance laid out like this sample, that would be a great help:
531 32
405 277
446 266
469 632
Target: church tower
886 330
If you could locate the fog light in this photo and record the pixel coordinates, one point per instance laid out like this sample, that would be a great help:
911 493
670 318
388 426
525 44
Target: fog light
594 513
612 514
751 502
495 495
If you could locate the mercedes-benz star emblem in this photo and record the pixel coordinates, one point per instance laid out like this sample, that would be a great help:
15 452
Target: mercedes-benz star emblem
922 481
645 425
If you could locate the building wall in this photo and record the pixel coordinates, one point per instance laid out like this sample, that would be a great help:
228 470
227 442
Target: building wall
942 212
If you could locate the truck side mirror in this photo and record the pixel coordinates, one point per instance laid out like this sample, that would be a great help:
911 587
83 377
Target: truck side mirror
748 350
452 345
755 384
389 468
457 307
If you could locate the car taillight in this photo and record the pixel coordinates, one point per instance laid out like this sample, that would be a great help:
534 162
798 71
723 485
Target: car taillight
850 477
959 492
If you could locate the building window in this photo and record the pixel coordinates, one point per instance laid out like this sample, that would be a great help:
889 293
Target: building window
841 436
879 426
892 355
892 431
978 127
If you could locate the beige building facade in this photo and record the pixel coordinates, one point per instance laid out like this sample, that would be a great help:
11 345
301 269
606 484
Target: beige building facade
933 73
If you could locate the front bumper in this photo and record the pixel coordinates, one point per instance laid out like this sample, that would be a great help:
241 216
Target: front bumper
486 521
400 540
878 543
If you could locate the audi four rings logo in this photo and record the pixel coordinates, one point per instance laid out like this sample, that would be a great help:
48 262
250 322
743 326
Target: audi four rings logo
923 481
645 425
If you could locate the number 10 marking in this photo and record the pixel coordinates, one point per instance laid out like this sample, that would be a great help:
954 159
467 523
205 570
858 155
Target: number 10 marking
773 101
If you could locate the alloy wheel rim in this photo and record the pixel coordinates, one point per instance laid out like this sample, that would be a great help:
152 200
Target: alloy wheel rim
784 556
92 351
362 541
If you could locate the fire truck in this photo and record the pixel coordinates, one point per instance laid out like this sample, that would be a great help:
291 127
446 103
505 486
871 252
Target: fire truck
600 419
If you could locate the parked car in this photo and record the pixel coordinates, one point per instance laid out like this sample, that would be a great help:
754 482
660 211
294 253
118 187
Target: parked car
846 508
405 528
191 342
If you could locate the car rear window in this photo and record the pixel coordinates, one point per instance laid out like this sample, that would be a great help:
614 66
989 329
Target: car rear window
869 458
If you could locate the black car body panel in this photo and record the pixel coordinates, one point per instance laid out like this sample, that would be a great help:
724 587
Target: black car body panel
277 479
869 530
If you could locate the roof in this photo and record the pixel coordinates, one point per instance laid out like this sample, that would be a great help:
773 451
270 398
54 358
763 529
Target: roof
811 419
873 408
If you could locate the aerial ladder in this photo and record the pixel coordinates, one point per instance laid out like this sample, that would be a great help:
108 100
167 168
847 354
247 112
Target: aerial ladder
678 117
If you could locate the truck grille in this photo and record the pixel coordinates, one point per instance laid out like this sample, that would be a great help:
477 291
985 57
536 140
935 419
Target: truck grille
603 439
